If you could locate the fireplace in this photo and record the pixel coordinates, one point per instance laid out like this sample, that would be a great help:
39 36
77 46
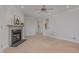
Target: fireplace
16 36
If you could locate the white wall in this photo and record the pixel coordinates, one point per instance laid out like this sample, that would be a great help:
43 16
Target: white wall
3 27
30 26
6 13
15 11
65 25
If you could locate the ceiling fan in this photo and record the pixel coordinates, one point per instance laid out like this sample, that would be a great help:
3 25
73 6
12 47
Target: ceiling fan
44 9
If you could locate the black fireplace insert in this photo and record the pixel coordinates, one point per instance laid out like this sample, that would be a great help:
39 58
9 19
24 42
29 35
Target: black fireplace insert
16 35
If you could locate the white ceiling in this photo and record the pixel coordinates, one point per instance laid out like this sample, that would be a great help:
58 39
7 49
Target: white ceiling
31 10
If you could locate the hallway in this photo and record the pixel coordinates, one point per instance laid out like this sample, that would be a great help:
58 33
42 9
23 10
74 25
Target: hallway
42 44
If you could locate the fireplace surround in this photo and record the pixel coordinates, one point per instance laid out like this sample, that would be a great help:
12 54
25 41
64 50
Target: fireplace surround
15 34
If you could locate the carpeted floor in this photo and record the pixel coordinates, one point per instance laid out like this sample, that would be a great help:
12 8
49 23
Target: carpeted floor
43 44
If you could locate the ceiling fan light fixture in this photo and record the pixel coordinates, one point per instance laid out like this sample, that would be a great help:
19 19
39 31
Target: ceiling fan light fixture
43 9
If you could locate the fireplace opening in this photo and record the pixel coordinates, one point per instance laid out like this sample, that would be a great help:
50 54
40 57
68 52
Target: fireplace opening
16 36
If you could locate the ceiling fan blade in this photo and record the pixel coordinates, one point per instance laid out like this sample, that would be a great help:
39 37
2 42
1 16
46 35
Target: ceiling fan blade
39 12
46 11
42 12
37 9
50 9
43 6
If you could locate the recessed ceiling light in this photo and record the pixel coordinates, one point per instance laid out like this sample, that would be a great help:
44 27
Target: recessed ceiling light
67 6
22 6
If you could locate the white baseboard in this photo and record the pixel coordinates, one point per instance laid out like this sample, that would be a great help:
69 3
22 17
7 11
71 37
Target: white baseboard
62 38
2 50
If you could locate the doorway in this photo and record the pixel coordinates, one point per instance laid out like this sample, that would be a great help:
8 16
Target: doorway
39 27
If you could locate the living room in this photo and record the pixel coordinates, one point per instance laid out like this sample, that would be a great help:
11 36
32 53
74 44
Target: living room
35 28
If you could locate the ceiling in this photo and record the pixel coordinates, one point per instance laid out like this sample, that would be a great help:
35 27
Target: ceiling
31 10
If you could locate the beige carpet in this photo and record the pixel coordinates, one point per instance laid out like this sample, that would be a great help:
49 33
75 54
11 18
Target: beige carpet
44 44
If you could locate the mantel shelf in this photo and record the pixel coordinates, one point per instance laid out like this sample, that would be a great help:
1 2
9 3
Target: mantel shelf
15 25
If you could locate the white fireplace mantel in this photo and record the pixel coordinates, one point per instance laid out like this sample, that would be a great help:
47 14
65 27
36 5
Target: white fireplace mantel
13 27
